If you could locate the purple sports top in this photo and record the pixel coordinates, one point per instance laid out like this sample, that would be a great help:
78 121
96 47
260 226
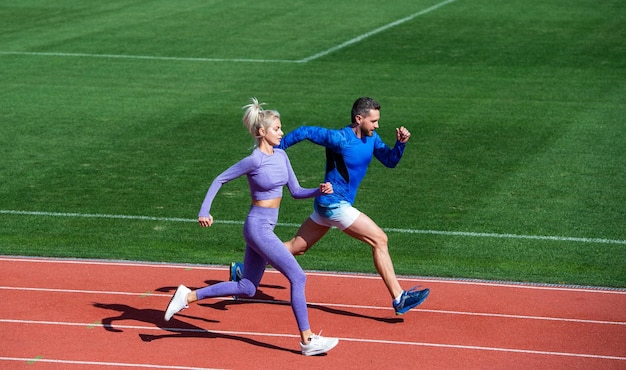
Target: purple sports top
267 174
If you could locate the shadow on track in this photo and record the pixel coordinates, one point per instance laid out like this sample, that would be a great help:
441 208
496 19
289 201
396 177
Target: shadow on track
262 297
176 328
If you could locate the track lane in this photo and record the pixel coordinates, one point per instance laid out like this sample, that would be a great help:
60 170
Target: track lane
459 326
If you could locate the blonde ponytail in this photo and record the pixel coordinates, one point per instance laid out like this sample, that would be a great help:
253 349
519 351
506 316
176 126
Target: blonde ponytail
255 118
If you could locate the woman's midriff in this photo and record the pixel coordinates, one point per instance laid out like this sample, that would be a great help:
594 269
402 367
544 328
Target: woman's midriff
267 203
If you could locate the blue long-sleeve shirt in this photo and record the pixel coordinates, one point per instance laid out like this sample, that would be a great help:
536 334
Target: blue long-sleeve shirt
347 157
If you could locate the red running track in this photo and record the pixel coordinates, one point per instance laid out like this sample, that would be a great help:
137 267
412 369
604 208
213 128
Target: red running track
75 314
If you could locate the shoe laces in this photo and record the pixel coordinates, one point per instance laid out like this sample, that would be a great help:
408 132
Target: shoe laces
315 336
414 290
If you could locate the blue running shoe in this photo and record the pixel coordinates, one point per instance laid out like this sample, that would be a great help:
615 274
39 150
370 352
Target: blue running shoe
236 270
409 299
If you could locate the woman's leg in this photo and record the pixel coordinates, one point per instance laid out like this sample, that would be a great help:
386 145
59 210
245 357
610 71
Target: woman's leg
282 260
255 267
259 234
286 263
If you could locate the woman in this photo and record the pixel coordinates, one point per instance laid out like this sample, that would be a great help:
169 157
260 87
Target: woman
268 169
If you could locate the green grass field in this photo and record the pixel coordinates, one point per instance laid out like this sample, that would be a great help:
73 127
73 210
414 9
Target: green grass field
515 169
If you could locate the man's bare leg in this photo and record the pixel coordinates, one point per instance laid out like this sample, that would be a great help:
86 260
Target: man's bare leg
366 230
308 234
363 229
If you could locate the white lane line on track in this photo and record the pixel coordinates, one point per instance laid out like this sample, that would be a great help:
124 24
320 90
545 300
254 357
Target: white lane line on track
32 361
377 341
330 305
386 229
503 284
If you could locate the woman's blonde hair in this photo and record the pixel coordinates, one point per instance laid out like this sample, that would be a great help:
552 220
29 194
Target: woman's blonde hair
255 118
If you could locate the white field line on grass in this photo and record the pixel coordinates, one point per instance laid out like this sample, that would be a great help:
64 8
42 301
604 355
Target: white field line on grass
148 57
378 341
241 60
373 32
390 230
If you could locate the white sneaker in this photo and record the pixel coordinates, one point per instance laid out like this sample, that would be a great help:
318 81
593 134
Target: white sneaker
318 345
178 302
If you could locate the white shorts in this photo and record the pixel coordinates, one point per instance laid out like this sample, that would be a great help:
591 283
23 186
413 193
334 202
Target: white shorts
340 215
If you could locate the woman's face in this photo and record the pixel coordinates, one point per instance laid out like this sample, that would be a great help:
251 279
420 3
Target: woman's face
274 133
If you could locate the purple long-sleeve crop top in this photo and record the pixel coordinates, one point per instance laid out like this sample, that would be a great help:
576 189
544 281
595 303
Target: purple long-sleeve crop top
267 174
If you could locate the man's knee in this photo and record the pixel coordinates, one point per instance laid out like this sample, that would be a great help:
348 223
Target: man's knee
297 246
379 241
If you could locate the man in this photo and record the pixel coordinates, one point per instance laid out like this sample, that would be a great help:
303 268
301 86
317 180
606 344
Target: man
348 154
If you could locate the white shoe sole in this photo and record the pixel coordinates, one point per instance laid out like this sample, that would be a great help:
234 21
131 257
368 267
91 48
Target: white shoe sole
178 302
318 351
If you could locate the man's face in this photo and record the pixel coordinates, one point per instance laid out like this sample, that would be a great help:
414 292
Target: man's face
369 123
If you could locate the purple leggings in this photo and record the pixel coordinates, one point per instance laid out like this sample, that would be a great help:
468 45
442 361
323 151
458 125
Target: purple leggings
263 247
